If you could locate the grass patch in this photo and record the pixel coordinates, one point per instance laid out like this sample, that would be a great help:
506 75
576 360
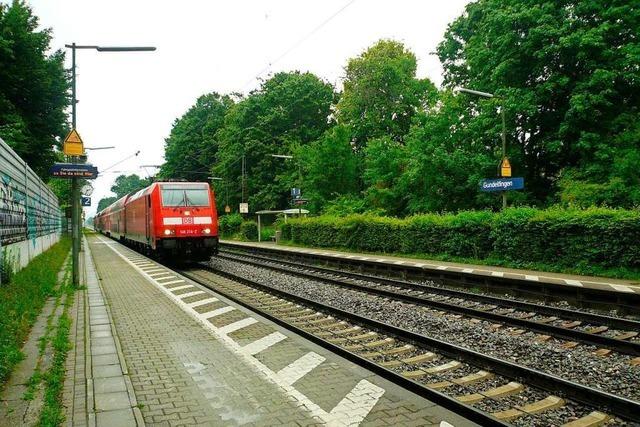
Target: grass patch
21 301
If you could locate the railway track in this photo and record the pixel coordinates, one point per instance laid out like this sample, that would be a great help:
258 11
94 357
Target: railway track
609 333
479 386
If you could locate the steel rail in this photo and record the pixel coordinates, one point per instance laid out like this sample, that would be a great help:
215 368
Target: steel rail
627 347
614 322
617 405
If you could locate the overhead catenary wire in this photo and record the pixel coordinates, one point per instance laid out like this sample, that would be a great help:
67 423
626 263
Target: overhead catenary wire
298 43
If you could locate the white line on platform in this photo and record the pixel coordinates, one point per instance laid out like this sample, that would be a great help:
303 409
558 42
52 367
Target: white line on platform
441 267
172 282
497 273
621 288
179 288
263 343
399 262
362 397
530 277
217 312
301 367
191 294
235 326
170 276
467 270
573 282
202 302
149 270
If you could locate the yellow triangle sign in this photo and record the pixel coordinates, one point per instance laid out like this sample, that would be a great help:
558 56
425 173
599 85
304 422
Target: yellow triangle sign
73 145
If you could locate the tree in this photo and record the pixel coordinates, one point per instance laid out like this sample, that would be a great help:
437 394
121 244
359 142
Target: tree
381 93
126 184
568 73
33 88
105 201
191 148
288 111
330 168
447 156
384 163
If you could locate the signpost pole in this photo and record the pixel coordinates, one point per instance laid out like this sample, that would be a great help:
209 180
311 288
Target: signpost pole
75 191
504 150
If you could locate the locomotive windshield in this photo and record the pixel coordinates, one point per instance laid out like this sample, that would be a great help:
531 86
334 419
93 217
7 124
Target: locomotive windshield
175 196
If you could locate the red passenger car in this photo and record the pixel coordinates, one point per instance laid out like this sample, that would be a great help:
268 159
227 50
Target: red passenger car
167 218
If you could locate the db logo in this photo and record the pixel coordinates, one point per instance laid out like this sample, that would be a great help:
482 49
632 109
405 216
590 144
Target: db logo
188 220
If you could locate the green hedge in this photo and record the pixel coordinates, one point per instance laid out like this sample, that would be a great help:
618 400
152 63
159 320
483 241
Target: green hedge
595 237
228 225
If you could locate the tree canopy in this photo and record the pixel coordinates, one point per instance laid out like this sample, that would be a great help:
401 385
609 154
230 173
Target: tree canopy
33 88
565 74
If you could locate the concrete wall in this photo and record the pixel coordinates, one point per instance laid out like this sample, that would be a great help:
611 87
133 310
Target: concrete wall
29 213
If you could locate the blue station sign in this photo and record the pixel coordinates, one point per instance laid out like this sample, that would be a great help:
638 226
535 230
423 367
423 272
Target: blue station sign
74 170
502 184
85 201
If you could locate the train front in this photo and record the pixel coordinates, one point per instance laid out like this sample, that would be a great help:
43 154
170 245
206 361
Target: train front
186 222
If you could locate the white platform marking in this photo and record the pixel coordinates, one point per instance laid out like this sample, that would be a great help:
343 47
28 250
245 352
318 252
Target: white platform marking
191 294
358 410
497 273
441 267
357 404
621 288
172 282
217 312
399 262
235 326
263 343
301 367
178 288
467 270
529 277
573 282
202 302
171 276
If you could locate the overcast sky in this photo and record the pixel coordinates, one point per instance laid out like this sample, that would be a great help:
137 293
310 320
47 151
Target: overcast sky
130 100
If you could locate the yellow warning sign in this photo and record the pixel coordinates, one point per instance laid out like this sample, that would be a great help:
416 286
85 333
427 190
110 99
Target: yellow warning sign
73 145
505 168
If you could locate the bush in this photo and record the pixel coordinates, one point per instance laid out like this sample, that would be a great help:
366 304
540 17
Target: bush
595 237
249 230
228 225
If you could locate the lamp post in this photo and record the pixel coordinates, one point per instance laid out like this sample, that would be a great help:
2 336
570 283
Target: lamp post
504 127
75 190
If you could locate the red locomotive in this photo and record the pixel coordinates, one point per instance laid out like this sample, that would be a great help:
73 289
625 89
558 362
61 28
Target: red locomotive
172 219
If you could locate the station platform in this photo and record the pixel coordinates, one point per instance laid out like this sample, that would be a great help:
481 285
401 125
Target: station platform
155 348
480 271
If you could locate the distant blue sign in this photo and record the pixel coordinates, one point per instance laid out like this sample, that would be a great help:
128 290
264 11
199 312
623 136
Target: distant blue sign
502 184
74 170
85 201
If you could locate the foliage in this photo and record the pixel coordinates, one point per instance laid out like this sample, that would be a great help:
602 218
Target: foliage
33 88
105 201
567 72
330 168
229 225
599 237
249 230
22 299
127 184
381 93
191 148
289 110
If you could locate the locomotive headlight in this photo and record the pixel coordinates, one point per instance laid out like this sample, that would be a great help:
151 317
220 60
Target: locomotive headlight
168 232
206 231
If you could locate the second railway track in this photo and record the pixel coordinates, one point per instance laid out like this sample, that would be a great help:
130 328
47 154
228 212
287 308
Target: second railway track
558 322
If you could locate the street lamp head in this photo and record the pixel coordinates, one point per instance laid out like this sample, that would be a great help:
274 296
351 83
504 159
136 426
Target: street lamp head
125 49
474 92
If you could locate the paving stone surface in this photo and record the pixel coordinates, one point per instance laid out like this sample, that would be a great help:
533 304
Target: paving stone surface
186 371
